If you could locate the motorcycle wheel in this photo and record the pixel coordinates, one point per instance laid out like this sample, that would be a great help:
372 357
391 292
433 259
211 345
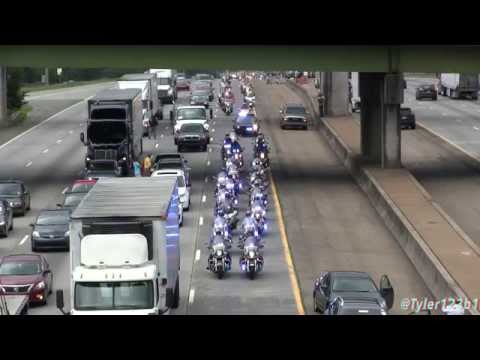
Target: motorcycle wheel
251 275
220 274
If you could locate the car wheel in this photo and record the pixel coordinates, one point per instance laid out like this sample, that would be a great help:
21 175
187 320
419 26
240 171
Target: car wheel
34 249
45 297
315 307
413 127
179 149
11 225
5 231
29 204
282 127
24 210
188 207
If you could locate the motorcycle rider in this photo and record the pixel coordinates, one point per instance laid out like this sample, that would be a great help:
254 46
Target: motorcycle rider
235 144
258 218
248 228
220 227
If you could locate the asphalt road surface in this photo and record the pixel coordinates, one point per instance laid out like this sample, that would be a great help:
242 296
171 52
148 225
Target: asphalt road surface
330 223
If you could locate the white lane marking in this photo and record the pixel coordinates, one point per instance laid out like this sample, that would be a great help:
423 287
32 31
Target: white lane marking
208 163
466 253
214 122
213 130
476 128
25 238
206 179
156 146
161 135
214 116
200 221
211 139
197 255
45 151
29 164
70 132
65 190
191 296
209 149
59 141
43 122
204 198
444 114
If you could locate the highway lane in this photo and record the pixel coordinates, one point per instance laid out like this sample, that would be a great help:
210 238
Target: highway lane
329 221
271 291
457 120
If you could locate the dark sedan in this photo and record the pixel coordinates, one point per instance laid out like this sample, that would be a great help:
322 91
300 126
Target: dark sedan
332 290
51 230
6 218
192 135
17 195
27 274
426 92
72 199
294 116
200 97
407 119
246 124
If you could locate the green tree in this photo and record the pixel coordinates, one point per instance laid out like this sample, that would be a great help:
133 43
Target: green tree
14 95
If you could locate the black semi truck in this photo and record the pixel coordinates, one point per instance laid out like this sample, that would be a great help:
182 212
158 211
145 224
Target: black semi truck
114 131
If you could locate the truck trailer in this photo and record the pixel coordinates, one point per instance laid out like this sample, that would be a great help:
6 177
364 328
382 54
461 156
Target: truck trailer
124 248
457 86
148 84
114 131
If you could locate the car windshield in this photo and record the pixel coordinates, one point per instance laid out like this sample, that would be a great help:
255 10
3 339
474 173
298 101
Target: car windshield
296 110
73 199
120 295
82 187
200 93
192 128
200 98
20 268
10 189
353 284
163 81
191 114
53 218
203 77
404 112
246 119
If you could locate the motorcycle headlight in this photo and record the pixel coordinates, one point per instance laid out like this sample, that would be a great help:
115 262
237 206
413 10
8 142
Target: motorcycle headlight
251 253
67 233
262 155
383 312
40 285
124 158
219 252
255 127
88 159
36 234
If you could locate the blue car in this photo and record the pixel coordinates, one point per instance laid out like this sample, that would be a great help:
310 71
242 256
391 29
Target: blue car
246 125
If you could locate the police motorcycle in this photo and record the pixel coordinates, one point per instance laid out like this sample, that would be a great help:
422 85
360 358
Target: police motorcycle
248 228
221 228
251 260
258 194
259 174
225 203
219 259
258 217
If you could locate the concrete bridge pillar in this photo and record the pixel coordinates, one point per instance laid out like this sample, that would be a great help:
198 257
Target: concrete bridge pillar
381 95
3 94
335 89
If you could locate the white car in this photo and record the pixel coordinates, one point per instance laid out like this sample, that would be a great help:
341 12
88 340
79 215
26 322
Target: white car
183 189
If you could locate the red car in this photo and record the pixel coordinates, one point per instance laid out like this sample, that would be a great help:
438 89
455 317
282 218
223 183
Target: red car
83 185
27 274
183 84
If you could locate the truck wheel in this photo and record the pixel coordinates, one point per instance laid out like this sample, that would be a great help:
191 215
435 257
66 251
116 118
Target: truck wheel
173 296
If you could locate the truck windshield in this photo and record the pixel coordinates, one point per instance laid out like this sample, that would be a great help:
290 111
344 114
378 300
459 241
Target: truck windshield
120 295
163 81
192 114
107 132
108 113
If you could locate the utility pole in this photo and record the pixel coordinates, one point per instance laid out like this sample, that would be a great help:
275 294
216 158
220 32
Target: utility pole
3 94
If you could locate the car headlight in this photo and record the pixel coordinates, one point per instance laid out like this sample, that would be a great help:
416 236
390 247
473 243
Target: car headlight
255 127
206 126
88 159
67 233
2 222
383 312
124 158
36 234
40 285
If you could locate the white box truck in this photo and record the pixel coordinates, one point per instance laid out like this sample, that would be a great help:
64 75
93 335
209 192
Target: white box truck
124 248
458 86
148 84
354 92
167 90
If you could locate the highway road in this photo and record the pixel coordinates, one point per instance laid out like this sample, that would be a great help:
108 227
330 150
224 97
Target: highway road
50 156
330 223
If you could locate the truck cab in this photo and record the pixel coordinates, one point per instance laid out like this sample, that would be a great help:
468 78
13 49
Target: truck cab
166 86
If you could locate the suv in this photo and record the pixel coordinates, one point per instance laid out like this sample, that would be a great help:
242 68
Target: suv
294 115
192 135
17 195
407 119
426 91
172 161
352 287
